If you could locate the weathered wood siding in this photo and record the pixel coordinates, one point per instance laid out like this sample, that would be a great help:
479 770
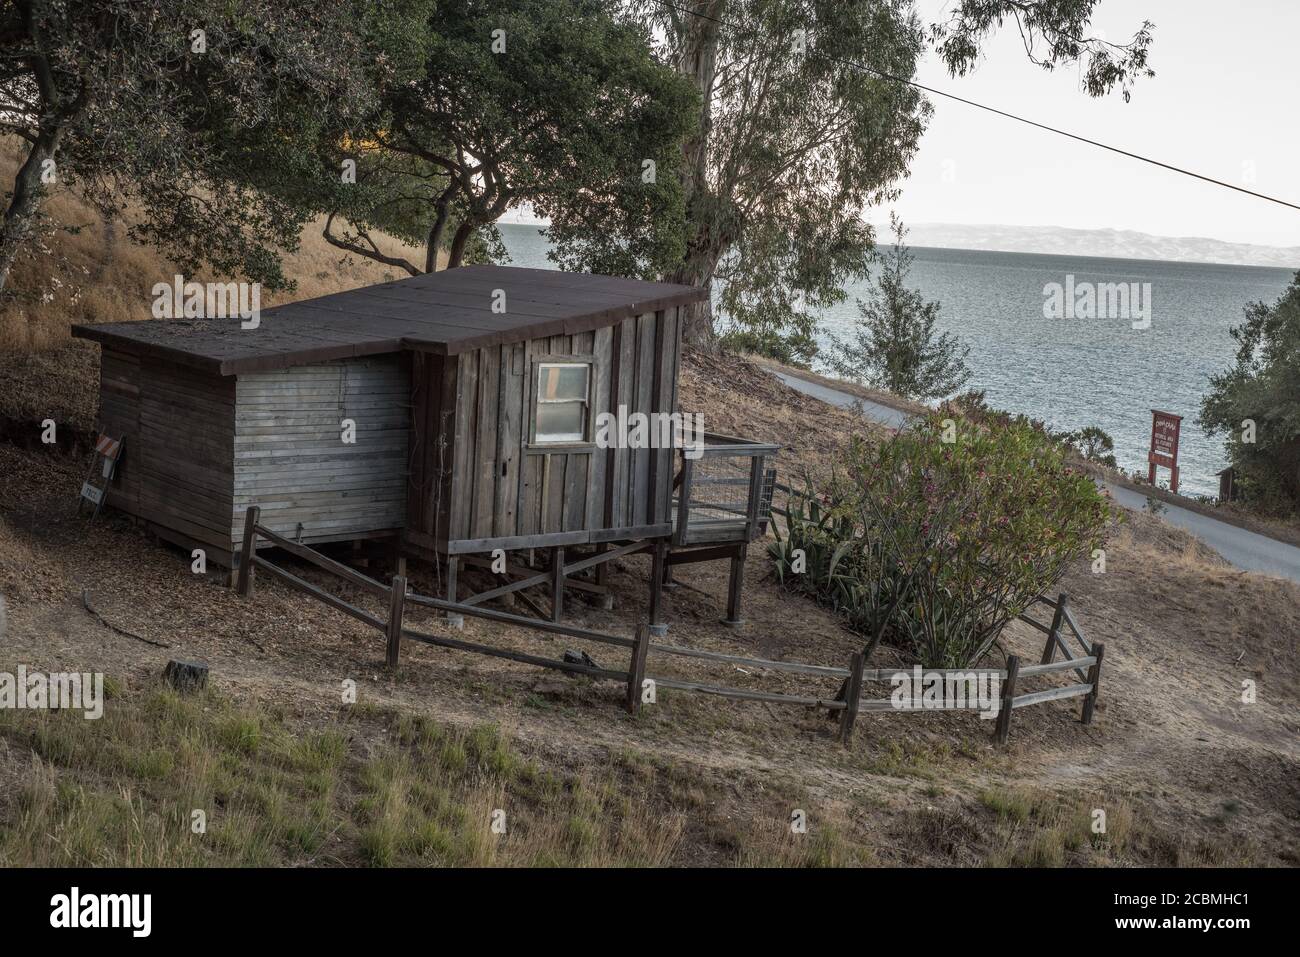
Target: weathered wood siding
476 478
176 468
290 457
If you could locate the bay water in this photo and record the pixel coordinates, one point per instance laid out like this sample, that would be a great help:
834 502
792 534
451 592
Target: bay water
1087 365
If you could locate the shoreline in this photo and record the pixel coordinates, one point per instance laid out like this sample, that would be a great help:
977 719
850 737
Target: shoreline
1275 529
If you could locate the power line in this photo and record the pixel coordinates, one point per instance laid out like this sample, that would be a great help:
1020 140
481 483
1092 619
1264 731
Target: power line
1011 116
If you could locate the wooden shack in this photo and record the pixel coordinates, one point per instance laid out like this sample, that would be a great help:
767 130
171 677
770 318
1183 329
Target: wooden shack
453 414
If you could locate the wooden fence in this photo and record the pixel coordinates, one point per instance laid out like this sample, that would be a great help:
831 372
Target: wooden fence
398 596
846 704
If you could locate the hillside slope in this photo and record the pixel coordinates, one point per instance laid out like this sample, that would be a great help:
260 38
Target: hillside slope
1188 773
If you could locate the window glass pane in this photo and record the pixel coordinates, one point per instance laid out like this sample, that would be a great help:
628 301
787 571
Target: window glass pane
561 421
562 381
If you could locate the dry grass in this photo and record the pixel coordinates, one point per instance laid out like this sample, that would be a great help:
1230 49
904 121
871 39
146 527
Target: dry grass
89 271
127 790
737 397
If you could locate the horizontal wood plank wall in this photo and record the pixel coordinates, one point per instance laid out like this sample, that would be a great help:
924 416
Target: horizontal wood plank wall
119 417
501 488
289 457
178 425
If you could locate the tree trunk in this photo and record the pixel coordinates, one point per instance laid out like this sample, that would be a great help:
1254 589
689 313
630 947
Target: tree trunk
458 243
435 240
698 62
697 331
437 230
26 202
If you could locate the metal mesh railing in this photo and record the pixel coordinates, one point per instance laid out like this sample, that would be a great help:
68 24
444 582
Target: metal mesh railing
727 490
720 488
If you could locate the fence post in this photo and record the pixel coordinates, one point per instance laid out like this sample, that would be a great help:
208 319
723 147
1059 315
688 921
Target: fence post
1008 695
1094 678
636 671
396 598
852 696
244 584
1054 635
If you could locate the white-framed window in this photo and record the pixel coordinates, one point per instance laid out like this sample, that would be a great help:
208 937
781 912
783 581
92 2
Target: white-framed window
563 394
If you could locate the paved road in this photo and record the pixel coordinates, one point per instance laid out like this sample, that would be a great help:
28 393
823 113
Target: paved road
1240 547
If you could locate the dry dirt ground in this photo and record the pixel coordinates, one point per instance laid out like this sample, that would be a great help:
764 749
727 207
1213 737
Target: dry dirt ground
1195 775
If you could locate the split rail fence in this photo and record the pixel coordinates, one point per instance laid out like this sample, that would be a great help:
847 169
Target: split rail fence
846 704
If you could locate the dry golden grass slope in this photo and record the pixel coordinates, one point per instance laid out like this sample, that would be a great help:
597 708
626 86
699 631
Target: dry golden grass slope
96 274
288 774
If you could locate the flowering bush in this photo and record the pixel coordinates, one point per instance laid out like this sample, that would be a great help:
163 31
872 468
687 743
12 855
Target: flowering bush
940 536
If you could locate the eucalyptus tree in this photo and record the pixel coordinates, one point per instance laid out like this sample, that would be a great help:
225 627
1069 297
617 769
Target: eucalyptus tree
806 118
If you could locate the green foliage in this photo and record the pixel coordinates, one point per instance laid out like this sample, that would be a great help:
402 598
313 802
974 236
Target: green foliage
116 96
895 345
790 348
791 145
936 545
1055 33
825 553
1263 387
497 104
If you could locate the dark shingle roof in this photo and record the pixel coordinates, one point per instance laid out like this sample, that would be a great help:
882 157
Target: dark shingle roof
446 312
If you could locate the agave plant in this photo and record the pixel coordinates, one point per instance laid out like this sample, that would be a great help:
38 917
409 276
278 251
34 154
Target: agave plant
829 552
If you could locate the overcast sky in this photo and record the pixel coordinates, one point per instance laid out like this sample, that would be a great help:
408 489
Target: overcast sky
1225 101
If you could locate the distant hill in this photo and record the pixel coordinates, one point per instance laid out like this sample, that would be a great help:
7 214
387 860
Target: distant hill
1119 243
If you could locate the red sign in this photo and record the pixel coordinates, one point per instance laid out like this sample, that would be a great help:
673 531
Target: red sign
1164 446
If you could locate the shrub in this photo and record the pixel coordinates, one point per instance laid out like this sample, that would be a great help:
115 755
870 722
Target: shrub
940 536
1093 444
1255 405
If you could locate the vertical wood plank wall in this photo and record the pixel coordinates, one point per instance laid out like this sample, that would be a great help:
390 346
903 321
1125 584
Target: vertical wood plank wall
177 468
289 457
477 478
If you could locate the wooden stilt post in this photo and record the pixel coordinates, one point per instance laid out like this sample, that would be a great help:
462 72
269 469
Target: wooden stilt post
1008 695
557 582
735 587
852 695
245 580
1094 679
657 626
454 620
602 579
636 671
396 599
1054 635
